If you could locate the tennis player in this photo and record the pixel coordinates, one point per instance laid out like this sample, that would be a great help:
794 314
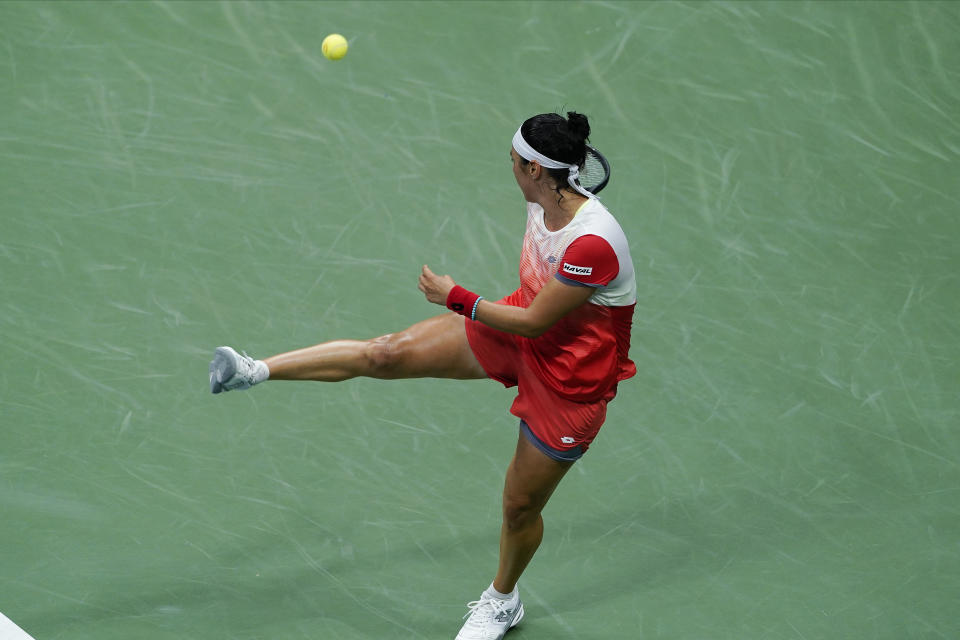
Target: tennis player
562 339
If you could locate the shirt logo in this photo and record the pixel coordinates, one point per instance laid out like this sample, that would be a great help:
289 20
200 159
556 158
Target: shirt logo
567 440
575 270
552 259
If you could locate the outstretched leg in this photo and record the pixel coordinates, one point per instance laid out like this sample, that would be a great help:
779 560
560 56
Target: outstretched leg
434 348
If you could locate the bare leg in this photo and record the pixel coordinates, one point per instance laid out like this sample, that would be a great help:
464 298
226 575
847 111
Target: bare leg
434 348
531 479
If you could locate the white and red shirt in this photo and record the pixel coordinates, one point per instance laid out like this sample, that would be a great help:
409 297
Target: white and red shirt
585 354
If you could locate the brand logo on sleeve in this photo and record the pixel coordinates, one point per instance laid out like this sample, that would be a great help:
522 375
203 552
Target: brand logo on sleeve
574 270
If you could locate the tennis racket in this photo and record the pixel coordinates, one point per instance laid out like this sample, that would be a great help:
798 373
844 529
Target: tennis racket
595 173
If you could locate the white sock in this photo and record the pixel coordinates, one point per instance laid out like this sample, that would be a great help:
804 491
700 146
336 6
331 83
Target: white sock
501 596
261 371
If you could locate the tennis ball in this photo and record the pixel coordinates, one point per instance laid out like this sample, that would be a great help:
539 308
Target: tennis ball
334 46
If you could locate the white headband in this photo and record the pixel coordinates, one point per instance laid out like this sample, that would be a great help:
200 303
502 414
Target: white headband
529 153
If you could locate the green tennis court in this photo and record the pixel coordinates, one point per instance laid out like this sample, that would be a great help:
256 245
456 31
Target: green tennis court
179 175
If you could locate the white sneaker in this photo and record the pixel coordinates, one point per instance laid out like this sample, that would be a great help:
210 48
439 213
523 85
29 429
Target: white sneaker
229 370
490 618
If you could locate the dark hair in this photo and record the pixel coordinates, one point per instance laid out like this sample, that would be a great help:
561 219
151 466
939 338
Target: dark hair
558 138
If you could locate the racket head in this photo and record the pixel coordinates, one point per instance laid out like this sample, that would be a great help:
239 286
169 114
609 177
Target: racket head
595 173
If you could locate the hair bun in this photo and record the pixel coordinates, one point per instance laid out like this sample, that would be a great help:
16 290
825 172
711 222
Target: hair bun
578 125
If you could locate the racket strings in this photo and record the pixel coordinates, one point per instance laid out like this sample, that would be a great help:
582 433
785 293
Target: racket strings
595 172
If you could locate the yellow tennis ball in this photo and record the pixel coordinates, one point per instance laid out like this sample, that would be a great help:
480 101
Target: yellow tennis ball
334 46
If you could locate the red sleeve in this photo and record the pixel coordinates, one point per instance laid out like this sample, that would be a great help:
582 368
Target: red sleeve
589 260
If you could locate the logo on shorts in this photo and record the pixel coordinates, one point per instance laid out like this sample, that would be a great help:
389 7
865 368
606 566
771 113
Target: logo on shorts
575 270
567 440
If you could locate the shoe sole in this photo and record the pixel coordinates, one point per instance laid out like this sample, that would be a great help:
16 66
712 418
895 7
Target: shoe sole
221 369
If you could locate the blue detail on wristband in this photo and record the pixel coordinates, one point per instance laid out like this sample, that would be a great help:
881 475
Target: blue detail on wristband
473 314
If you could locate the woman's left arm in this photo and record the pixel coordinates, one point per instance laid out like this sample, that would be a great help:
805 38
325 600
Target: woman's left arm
555 300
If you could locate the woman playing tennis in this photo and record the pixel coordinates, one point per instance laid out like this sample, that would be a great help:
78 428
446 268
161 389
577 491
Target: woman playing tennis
562 339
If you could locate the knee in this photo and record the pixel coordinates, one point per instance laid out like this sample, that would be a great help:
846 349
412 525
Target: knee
385 355
519 511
